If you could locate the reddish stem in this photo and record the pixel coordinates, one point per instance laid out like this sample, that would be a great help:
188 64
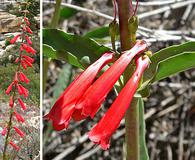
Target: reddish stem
115 9
136 7
11 109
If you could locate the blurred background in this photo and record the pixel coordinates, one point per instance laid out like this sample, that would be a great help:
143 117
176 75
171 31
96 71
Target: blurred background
170 109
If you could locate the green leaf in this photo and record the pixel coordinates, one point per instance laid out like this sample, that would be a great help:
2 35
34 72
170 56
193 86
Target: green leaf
76 50
101 32
142 130
49 52
64 79
174 65
67 12
163 55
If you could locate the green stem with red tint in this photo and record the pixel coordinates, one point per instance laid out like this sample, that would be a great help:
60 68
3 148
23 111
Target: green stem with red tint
132 116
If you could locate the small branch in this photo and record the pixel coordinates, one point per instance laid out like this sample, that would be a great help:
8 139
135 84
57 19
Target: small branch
166 8
78 8
157 3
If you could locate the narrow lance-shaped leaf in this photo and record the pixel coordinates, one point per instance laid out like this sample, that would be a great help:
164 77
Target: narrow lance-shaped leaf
163 55
142 132
174 65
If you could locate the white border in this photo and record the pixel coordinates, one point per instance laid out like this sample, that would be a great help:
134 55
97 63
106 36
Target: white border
41 79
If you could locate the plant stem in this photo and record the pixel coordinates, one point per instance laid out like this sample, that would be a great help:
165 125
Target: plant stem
56 16
124 14
54 24
8 133
132 131
11 116
9 125
132 116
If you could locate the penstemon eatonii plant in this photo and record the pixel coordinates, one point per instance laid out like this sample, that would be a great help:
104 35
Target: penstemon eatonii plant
16 90
130 72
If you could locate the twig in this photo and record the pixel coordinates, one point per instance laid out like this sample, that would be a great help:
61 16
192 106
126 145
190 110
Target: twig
157 3
166 8
94 12
181 138
187 13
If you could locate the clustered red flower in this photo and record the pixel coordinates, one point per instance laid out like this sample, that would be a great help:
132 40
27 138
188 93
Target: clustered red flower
16 90
83 98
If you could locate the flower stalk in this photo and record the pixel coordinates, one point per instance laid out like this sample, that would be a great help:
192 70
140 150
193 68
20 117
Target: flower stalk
16 89
131 117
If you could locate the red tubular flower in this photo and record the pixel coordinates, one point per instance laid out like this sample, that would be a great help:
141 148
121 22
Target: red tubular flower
24 28
29 30
22 104
17 60
28 49
4 131
23 77
17 148
63 109
28 40
31 60
24 65
18 117
96 94
19 131
23 90
19 89
27 21
102 132
28 63
11 102
13 40
9 88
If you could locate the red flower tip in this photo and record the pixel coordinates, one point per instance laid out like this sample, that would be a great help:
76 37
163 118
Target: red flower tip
104 143
31 60
22 104
102 132
4 131
22 90
28 63
19 117
13 40
28 40
9 88
28 49
96 94
11 102
23 78
21 134
17 148
19 89
62 111
27 21
17 60
24 28
24 65
29 30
